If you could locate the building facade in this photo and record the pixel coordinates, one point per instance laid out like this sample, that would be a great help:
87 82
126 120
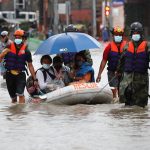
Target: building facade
22 5
138 10
81 11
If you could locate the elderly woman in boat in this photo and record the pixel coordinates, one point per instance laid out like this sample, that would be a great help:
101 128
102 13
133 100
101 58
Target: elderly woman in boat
83 71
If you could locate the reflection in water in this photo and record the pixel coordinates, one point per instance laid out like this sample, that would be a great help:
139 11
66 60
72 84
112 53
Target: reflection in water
135 116
128 111
16 111
3 85
132 121
79 110
132 112
46 109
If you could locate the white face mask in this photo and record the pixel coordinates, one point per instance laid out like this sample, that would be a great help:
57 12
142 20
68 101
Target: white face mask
136 37
117 39
18 41
46 66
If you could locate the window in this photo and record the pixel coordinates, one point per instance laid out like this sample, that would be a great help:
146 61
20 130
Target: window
31 16
4 15
22 16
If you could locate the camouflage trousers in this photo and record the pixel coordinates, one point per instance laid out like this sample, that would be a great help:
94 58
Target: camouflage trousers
133 89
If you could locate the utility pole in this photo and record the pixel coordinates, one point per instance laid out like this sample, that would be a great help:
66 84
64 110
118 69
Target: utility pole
67 12
0 5
56 16
45 16
94 18
41 15
107 16
14 9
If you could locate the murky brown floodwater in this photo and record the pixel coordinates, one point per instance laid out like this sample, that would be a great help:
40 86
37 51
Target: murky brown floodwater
78 127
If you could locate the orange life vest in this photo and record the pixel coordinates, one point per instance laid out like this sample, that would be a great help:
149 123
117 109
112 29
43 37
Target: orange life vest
114 55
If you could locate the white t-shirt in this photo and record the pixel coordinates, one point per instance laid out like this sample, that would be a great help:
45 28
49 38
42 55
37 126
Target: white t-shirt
4 45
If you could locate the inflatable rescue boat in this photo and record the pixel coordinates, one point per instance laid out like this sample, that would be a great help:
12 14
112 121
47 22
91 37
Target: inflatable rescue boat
79 93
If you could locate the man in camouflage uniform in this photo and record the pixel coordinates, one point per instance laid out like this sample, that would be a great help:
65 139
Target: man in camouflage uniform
133 65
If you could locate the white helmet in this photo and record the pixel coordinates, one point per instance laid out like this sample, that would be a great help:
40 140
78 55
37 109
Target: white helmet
4 33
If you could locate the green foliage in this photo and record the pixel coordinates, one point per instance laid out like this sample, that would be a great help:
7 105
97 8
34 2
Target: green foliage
27 24
24 25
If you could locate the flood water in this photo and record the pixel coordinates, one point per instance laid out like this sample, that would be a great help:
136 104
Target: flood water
79 127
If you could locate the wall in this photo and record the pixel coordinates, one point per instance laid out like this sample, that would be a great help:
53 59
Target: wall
138 10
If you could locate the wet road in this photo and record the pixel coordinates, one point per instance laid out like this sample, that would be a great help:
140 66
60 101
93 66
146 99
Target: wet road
78 127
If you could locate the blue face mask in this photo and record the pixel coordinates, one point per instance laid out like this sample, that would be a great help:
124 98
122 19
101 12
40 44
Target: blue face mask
118 39
18 41
46 66
136 37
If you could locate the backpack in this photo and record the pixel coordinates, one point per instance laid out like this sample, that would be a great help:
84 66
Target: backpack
45 72
32 90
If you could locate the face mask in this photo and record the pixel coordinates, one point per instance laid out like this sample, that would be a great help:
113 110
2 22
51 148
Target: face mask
117 39
18 41
46 66
136 37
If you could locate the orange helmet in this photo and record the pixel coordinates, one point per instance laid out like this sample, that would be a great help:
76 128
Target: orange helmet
19 32
118 30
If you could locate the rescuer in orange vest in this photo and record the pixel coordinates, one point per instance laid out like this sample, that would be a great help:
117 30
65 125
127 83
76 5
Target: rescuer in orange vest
16 57
111 56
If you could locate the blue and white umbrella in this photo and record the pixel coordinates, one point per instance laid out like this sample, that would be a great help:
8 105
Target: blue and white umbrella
67 42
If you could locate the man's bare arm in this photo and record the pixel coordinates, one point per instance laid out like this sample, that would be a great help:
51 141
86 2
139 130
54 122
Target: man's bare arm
4 52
